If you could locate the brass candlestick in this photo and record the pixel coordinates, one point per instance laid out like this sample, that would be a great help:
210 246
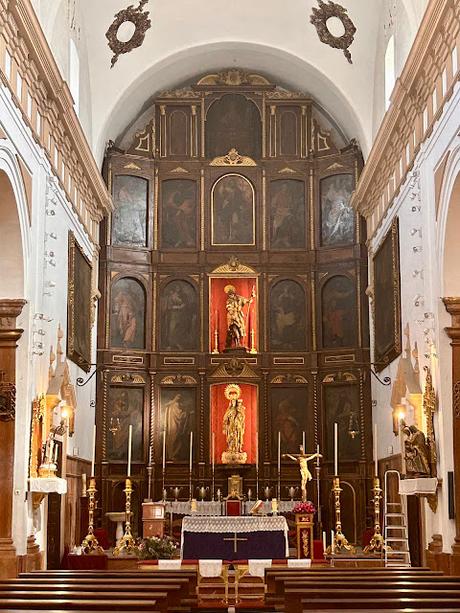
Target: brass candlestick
126 542
90 543
340 541
216 341
253 346
377 543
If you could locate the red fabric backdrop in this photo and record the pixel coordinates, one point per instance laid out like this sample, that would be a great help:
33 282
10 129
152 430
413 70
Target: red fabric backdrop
218 314
219 405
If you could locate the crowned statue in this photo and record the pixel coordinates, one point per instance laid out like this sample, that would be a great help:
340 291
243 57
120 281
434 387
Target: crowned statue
233 426
236 317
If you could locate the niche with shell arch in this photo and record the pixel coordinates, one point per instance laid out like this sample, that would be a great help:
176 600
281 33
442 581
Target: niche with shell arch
127 313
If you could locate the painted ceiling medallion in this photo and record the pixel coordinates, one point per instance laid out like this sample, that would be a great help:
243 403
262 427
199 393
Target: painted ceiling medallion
319 19
141 23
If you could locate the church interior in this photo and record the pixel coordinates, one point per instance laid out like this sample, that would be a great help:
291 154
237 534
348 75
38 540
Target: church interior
230 305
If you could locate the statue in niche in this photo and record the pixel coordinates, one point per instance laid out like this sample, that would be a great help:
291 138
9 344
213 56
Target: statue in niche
236 318
416 452
302 459
233 426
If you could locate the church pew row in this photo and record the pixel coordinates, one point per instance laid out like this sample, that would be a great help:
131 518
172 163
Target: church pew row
274 577
297 599
72 604
388 604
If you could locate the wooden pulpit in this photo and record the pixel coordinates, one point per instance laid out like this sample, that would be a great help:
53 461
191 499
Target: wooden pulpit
153 519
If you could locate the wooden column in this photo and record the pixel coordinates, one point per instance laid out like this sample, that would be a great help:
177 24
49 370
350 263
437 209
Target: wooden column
453 308
9 337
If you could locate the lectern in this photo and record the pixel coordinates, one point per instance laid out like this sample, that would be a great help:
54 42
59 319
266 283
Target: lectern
153 519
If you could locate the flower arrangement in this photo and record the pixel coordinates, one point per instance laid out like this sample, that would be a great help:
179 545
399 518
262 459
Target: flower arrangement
304 507
156 548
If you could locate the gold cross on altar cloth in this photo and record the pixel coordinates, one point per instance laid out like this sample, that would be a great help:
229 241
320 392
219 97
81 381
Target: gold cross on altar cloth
235 540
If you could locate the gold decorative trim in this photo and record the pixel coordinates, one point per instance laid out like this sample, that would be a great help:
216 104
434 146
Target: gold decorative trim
233 266
347 377
234 367
7 399
127 378
336 359
179 170
178 380
289 378
289 361
233 158
233 77
335 166
132 166
128 359
319 19
280 93
286 170
181 93
176 361
141 23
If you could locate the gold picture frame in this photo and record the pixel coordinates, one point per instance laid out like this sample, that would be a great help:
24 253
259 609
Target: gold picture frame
79 306
387 299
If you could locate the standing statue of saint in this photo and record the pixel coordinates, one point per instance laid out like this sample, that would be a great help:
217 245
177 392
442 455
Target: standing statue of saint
236 324
233 426
302 459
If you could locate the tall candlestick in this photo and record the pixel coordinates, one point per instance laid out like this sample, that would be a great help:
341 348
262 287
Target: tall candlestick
336 449
150 454
94 451
130 436
257 452
376 463
317 457
279 452
213 450
191 451
164 450
332 542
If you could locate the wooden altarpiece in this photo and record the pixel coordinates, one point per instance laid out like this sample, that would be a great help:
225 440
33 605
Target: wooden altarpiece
232 178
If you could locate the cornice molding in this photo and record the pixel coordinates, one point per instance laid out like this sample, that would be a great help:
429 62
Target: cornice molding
409 120
58 130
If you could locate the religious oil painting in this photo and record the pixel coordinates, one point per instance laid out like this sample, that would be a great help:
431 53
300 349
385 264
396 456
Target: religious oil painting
287 317
178 214
179 317
337 216
232 211
127 314
178 420
125 408
339 313
289 419
233 122
287 214
129 219
79 305
387 299
341 406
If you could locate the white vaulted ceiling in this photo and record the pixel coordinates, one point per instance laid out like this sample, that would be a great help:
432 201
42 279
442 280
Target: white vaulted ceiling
189 38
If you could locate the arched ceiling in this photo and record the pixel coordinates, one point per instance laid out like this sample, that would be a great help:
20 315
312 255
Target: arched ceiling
188 39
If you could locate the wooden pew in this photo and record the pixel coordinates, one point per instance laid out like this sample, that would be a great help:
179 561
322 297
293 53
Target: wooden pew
385 604
67 604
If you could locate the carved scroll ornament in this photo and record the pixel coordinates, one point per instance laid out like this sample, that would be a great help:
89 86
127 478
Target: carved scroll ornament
7 399
319 19
141 24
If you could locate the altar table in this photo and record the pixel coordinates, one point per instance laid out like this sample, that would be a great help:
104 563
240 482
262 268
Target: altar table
234 538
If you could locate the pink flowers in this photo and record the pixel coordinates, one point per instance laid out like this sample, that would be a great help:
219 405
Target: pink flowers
304 507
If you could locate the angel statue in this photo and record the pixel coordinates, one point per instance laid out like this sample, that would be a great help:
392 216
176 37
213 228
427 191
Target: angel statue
302 459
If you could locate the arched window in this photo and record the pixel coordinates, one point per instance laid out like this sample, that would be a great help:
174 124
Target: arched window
390 77
74 74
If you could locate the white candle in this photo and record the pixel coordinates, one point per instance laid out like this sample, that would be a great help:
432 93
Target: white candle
317 459
376 464
213 450
279 452
257 452
303 440
332 542
164 450
324 541
130 436
336 449
150 454
191 451
94 451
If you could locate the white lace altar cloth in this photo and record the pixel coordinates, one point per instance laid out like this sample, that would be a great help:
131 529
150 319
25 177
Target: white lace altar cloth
256 568
296 563
169 564
242 523
214 507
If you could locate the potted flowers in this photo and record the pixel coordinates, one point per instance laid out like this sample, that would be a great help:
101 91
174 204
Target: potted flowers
156 548
304 512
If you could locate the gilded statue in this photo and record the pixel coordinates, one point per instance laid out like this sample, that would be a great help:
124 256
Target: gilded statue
233 426
236 318
302 459
416 452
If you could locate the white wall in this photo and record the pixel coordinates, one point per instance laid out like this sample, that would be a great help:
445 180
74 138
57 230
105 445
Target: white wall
416 208
33 361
